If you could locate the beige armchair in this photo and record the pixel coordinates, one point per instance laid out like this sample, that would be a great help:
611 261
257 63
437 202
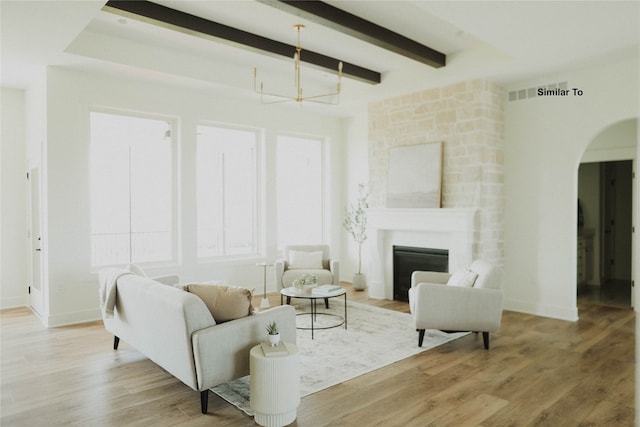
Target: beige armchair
306 259
469 300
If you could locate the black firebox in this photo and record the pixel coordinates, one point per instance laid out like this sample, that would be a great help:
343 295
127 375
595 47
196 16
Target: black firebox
407 259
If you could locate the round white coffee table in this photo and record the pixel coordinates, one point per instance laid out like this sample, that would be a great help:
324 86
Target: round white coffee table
292 292
275 386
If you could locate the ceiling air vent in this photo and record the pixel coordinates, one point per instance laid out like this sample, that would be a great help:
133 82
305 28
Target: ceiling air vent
532 92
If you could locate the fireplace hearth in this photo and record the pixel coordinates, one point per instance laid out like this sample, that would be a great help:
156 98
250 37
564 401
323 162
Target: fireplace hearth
407 259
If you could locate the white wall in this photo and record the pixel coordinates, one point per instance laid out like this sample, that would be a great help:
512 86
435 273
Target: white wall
71 95
13 203
545 141
356 171
616 142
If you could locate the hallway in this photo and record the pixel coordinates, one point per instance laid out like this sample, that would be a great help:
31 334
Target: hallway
616 293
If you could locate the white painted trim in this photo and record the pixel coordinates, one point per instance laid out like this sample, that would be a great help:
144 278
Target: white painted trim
544 310
72 318
608 155
15 302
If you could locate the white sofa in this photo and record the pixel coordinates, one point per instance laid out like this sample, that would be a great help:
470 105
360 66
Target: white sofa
438 303
176 330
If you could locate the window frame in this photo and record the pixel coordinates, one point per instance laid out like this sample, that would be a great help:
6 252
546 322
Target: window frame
323 141
256 212
173 128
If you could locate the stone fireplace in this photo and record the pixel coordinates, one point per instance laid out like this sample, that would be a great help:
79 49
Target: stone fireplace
454 230
468 118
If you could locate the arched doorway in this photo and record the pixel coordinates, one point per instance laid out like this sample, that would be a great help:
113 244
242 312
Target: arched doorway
605 217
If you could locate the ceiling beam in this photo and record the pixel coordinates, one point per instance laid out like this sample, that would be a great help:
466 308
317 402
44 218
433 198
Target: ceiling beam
190 24
347 23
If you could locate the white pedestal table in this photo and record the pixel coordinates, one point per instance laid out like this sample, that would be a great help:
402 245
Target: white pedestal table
275 386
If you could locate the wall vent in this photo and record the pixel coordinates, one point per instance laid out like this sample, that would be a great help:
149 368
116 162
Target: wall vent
532 92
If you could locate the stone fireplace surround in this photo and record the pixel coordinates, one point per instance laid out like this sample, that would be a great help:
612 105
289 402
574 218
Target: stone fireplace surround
468 117
454 229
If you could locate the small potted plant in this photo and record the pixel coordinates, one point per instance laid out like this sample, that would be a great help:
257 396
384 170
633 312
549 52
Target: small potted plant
355 222
274 334
305 283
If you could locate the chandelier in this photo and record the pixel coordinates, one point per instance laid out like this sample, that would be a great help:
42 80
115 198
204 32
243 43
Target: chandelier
326 98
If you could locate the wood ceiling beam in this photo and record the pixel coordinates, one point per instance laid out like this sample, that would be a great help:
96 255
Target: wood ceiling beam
180 21
347 23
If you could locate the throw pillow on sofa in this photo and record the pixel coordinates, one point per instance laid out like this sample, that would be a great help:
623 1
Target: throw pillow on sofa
466 279
224 302
301 260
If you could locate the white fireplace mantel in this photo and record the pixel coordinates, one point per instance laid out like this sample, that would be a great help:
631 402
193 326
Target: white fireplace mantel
451 229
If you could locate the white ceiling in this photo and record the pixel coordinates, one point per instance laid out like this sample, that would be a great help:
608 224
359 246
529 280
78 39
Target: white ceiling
501 41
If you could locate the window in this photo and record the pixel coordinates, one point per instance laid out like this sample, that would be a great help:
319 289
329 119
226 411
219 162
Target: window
299 186
131 190
226 191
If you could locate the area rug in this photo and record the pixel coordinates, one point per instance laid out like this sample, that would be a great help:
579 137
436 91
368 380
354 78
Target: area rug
374 338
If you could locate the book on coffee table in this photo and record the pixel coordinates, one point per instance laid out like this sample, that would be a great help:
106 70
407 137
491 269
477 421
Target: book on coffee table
325 289
278 350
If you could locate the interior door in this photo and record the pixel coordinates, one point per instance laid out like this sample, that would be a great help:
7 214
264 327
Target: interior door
634 247
36 296
617 225
608 221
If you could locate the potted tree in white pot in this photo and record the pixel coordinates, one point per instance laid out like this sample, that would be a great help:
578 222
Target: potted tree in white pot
355 222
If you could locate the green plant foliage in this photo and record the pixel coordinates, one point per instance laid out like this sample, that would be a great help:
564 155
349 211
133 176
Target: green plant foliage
272 328
355 220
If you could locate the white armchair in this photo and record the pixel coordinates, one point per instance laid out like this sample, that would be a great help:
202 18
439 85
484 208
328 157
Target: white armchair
465 301
306 259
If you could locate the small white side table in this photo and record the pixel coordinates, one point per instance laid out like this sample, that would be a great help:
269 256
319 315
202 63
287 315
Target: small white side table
265 301
275 386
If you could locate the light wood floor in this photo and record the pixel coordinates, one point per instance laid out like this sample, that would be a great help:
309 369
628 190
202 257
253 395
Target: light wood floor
539 372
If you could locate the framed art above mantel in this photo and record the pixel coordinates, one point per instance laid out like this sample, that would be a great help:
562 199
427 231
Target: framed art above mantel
415 176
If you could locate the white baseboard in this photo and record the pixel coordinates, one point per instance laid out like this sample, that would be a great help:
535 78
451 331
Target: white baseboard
64 319
552 311
14 302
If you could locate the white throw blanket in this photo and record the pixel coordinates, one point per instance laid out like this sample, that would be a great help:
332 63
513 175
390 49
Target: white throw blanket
108 287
